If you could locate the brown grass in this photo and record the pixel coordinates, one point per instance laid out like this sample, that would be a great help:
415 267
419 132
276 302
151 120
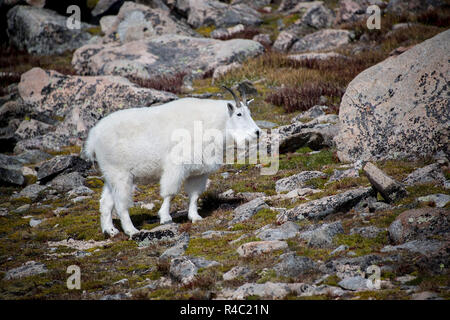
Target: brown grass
167 83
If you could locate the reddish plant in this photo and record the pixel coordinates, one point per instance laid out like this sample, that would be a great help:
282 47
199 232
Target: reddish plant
169 83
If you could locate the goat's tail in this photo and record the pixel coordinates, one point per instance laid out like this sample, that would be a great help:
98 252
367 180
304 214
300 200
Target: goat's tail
89 146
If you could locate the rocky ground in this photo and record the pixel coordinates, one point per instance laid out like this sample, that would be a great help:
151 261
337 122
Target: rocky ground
361 194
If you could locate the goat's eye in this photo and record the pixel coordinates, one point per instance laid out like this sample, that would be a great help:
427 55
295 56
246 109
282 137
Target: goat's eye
239 114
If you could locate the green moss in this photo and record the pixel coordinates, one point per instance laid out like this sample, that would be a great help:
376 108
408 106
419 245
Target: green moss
30 179
417 191
304 150
95 31
361 245
91 3
389 294
205 30
212 249
305 162
94 183
20 201
290 19
332 280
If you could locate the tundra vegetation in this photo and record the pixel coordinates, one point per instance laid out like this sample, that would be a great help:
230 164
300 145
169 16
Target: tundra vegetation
50 220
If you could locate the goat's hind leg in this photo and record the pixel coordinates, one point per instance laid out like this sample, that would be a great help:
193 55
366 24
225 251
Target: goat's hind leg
194 187
122 186
106 207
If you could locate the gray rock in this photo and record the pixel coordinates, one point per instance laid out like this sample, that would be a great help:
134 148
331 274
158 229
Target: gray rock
163 55
428 174
351 11
313 112
166 232
406 114
325 206
313 134
22 209
323 40
28 269
33 192
298 180
350 267
35 222
117 296
183 269
10 171
215 234
32 156
376 206
4 212
67 182
178 249
341 174
61 164
32 128
292 265
426 295
439 199
356 283
323 235
318 17
248 210
424 247
137 22
264 290
265 124
390 189
236 272
260 247
42 31
286 231
220 14
419 224
263 38
370 232
79 191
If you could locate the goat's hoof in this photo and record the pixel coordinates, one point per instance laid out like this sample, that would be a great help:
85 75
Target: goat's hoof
196 218
166 221
111 232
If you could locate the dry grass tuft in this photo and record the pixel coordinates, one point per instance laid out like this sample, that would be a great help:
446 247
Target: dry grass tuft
167 83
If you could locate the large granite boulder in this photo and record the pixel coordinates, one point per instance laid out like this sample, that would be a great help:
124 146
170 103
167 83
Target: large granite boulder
399 107
420 224
42 31
137 22
212 12
163 55
323 40
73 104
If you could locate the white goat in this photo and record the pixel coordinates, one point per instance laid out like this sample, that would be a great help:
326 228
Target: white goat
135 145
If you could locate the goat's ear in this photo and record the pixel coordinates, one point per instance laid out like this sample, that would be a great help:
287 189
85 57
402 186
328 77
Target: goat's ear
230 109
249 101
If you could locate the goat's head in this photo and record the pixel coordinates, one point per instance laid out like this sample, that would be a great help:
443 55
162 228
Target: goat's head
240 124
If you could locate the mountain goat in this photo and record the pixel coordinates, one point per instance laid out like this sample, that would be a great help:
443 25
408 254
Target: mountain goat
136 146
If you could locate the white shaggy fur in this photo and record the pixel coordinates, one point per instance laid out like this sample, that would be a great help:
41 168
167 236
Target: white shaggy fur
134 145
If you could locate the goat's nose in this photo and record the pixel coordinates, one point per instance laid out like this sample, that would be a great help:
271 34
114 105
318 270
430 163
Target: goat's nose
257 133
